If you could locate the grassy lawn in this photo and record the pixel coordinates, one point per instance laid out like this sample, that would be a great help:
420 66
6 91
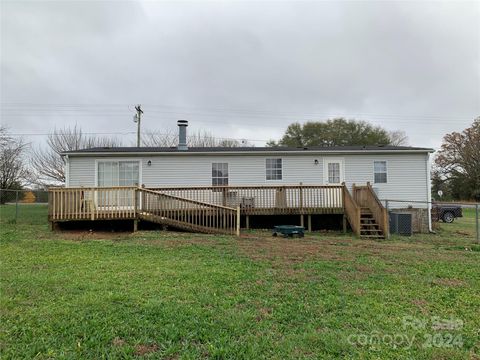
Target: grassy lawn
175 295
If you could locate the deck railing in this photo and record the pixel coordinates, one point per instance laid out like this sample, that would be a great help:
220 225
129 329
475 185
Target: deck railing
187 214
266 200
201 208
91 203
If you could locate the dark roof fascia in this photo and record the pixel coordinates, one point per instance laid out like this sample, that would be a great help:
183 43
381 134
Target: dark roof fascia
261 152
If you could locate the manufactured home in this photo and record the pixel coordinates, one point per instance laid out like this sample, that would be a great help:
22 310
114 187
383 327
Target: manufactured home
218 189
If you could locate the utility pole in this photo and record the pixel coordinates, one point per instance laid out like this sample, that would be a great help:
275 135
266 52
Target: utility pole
137 119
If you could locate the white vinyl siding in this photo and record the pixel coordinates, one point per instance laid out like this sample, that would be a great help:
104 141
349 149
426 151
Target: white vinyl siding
407 176
81 171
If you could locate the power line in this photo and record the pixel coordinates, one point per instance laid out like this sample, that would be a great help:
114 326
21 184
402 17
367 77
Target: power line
114 109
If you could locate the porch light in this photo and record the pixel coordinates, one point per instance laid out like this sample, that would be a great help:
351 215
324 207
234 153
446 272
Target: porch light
315 162
149 163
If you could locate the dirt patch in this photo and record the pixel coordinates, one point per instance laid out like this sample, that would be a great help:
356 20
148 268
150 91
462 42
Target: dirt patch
173 243
421 304
90 235
292 250
449 282
118 342
263 313
360 291
144 349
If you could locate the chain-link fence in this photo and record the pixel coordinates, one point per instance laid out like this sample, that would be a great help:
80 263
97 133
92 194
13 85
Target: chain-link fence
23 206
459 218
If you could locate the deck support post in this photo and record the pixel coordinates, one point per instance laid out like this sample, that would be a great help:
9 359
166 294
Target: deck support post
344 223
238 221
301 220
247 222
135 225
309 222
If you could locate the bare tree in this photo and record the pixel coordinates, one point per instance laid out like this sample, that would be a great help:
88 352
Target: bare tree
398 138
169 138
13 170
166 138
48 162
458 163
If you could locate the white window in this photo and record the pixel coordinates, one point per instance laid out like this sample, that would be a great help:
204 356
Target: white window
274 169
333 172
118 173
219 174
380 172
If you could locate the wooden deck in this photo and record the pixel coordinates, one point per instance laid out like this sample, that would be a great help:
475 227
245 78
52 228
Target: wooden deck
207 208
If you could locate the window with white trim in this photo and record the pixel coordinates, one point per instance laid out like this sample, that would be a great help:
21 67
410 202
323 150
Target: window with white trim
380 172
219 174
334 173
273 169
118 173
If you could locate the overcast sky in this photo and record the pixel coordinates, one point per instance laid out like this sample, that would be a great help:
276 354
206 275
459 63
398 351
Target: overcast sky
239 69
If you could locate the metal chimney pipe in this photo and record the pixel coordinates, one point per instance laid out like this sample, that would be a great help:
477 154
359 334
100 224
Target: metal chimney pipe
182 134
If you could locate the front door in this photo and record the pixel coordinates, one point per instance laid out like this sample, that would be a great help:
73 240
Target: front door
333 172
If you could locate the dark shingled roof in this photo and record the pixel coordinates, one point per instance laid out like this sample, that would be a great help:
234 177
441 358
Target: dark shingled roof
131 150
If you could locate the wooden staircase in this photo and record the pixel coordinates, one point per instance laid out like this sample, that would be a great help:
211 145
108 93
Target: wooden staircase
369 228
365 213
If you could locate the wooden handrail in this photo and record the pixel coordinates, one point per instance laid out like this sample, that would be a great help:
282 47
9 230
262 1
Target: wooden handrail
374 194
352 211
266 199
184 199
188 214
365 196
91 188
232 187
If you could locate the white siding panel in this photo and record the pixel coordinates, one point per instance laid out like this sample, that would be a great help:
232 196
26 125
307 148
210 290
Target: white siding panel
82 171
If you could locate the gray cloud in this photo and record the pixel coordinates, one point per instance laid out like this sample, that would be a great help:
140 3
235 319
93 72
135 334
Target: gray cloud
240 69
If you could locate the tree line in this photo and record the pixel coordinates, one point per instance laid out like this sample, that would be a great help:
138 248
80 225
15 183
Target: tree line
456 169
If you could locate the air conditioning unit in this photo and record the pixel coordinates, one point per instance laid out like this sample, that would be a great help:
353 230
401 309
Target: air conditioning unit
401 223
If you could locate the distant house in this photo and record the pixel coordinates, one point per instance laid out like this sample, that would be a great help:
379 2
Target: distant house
263 180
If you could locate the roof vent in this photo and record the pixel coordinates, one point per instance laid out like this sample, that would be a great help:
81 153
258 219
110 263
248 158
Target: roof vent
182 135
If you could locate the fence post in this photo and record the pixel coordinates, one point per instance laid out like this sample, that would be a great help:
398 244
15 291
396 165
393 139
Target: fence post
476 221
16 206
238 221
301 198
387 220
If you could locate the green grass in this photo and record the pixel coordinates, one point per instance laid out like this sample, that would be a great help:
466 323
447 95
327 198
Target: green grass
174 295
